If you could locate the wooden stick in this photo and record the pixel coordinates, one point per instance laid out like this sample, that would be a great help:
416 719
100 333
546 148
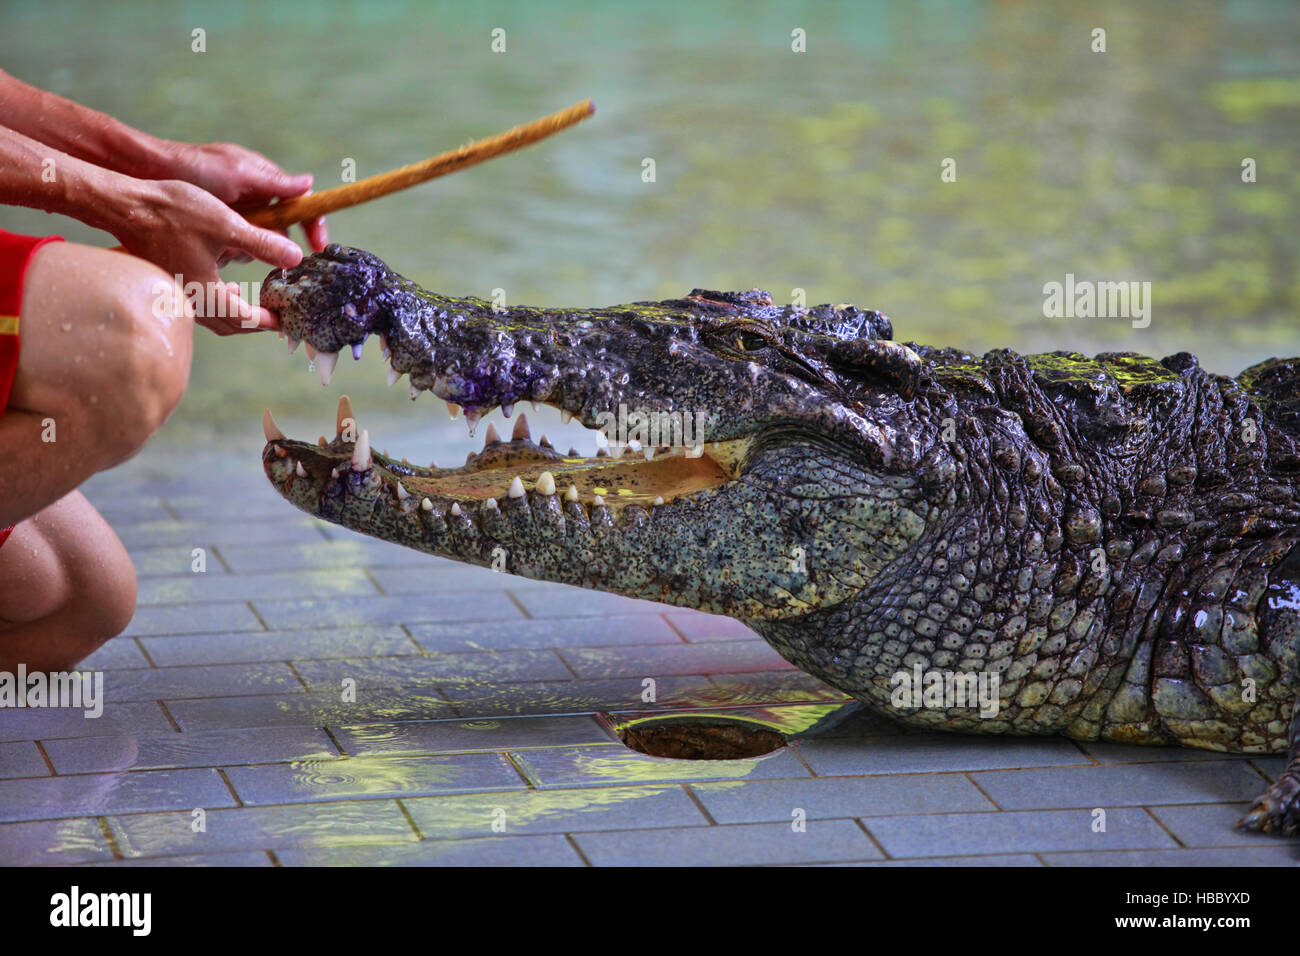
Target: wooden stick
281 215
289 212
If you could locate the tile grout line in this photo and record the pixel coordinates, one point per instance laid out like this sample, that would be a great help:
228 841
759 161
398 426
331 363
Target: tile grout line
695 799
221 772
1160 823
415 827
260 620
374 582
105 829
559 652
221 558
681 635
292 670
509 592
987 796
410 636
509 755
577 849
166 712
44 756
325 729
144 652
862 825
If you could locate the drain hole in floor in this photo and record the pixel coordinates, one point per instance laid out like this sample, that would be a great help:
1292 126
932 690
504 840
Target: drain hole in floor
700 739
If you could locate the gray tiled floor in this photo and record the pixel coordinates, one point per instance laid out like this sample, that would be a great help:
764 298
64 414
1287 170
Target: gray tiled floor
318 698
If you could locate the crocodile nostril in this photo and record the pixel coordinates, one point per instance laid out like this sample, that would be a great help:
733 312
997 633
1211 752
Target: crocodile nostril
701 738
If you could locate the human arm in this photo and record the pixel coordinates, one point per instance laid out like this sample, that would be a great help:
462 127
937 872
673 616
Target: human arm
176 225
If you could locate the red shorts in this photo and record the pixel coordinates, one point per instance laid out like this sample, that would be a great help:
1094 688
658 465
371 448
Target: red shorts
15 255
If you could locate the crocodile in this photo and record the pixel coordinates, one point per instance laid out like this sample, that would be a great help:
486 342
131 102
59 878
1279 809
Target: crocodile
1114 541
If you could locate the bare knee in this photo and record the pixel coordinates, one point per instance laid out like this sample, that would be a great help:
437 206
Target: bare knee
107 341
69 586
141 384
156 359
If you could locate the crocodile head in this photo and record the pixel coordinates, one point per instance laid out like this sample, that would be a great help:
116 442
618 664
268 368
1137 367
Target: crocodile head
764 461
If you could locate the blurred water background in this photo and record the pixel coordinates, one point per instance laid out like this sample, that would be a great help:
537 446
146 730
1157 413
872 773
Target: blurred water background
817 170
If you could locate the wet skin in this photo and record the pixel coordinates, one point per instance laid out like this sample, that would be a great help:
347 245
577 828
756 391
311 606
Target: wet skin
1116 538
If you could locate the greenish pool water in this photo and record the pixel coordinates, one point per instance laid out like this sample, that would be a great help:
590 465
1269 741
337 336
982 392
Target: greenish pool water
817 170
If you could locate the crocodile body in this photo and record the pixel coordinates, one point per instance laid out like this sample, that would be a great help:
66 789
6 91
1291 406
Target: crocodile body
1116 539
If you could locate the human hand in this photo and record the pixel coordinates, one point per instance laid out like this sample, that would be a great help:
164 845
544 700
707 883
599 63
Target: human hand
186 230
244 180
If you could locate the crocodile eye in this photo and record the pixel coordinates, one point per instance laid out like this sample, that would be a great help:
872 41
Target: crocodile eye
735 340
741 340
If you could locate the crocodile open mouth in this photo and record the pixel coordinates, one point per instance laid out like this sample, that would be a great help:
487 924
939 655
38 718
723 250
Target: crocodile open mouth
614 476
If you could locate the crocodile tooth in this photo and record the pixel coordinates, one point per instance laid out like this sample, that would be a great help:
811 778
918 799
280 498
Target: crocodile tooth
299 470
517 487
472 418
649 452
426 504
393 376
455 508
545 442
565 416
415 393
453 410
322 441
432 463
344 413
508 409
659 499
521 428
491 505
601 453
311 351
572 493
536 408
270 429
383 346
546 483
402 493
361 452
325 362
334 472
598 502
292 343
491 438
632 446
357 350
573 453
